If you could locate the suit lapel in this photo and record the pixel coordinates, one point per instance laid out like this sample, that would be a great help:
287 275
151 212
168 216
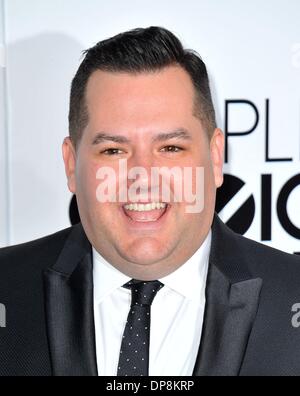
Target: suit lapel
69 309
230 312
232 298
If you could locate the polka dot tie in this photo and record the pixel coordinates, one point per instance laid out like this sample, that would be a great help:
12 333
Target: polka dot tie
134 353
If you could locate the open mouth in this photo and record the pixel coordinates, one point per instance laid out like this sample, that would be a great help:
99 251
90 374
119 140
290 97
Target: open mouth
145 212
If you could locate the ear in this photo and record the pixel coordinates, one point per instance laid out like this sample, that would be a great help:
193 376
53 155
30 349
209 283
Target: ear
217 155
69 156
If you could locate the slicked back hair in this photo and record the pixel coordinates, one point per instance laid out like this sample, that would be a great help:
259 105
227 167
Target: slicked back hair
139 51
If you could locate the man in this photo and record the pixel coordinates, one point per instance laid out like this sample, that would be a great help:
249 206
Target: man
79 302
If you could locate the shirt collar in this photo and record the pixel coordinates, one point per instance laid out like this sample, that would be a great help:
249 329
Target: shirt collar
107 278
188 280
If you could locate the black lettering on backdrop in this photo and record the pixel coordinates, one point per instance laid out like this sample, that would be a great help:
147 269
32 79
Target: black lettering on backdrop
267 157
266 207
227 132
282 213
243 217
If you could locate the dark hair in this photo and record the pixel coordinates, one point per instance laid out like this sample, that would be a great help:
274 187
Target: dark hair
137 51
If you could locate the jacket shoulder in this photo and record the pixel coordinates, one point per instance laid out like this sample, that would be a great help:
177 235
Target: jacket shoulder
24 340
263 258
38 253
259 260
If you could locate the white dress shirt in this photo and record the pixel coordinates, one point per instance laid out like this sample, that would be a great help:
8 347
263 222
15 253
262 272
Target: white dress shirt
176 315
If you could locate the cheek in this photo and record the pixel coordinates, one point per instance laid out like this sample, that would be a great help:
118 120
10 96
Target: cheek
203 162
87 182
203 186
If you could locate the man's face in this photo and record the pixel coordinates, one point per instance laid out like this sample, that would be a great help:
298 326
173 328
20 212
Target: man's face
148 120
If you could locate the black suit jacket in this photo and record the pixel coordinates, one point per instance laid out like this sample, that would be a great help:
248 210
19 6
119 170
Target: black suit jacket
47 288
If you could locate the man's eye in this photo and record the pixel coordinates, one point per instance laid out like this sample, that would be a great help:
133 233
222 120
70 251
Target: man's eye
111 151
171 149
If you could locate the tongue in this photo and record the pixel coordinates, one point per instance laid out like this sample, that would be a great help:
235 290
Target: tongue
151 215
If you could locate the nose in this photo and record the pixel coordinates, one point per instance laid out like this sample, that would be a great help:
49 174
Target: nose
142 160
139 170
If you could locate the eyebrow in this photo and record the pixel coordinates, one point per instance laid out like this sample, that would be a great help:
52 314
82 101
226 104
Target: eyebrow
106 137
179 133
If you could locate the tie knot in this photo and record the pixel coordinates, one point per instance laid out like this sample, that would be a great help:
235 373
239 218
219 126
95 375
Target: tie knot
143 292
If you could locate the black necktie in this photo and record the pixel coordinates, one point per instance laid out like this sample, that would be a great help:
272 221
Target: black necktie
134 353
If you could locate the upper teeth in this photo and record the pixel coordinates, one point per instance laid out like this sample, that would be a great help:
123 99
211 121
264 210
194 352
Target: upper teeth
145 207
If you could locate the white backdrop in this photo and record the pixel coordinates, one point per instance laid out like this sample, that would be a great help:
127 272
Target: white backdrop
3 149
252 50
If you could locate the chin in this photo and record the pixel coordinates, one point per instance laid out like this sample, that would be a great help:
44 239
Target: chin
146 251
